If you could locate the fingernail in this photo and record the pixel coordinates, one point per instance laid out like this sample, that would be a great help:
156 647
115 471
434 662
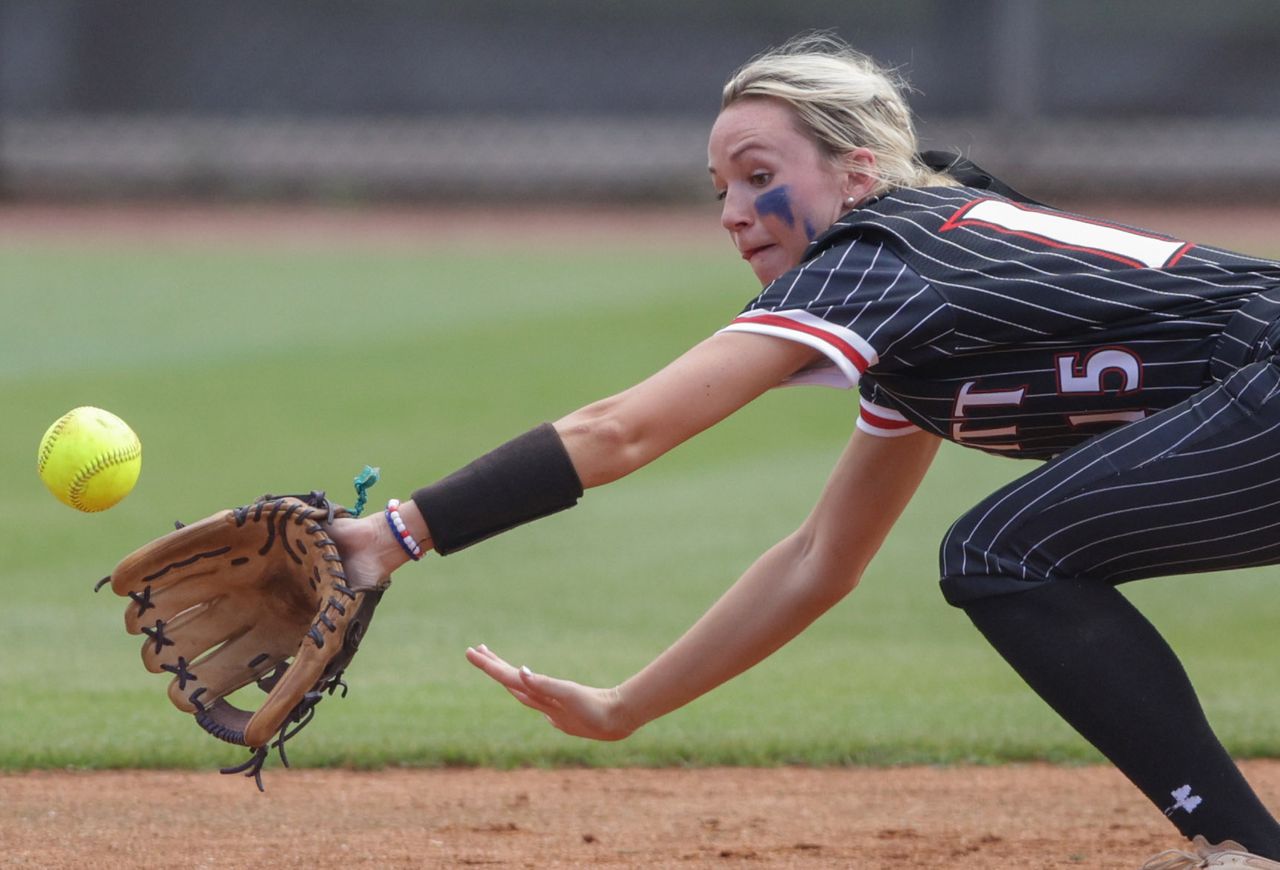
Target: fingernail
483 648
524 669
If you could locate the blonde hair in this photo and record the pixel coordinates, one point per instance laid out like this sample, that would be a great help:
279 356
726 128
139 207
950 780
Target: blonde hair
842 99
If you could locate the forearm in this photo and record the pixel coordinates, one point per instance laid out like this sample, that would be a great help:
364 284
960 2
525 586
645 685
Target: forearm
780 595
603 447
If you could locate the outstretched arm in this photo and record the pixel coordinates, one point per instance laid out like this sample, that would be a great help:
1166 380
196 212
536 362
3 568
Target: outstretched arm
786 589
613 437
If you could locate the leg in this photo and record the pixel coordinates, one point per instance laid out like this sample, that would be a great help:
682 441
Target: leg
1192 489
1065 639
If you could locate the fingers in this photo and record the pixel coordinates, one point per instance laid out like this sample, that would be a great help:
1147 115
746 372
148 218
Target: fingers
525 686
577 710
493 665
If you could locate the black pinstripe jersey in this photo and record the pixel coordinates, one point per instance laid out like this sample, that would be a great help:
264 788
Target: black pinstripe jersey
1016 329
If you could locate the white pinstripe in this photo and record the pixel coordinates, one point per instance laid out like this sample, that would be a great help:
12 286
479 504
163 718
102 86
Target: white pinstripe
1199 521
1203 425
831 274
1216 557
883 293
795 281
905 302
1186 477
919 323
875 258
1234 556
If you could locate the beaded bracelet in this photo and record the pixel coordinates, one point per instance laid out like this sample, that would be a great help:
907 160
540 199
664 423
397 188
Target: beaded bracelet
401 532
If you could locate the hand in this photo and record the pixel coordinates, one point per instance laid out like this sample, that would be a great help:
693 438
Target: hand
577 710
369 553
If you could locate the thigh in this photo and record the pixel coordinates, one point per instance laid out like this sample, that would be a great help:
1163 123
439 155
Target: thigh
1193 488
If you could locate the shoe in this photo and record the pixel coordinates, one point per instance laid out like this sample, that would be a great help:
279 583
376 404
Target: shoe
1228 853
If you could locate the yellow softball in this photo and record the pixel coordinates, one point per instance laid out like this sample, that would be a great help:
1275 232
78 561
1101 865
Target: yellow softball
89 458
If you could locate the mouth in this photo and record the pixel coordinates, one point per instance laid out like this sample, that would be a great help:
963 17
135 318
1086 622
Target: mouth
749 253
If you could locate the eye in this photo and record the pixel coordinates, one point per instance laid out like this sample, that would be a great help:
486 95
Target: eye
760 178
720 195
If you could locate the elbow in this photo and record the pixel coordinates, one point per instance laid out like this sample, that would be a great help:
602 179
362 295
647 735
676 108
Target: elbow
832 572
838 583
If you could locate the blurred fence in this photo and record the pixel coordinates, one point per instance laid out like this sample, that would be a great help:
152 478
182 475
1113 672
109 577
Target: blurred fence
342 99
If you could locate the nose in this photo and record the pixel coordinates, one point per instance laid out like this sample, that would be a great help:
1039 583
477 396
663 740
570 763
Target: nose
736 213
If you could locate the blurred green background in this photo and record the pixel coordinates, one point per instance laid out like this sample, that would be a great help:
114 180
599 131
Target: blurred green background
249 367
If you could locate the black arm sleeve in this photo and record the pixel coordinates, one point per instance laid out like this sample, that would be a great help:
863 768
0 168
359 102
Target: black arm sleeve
527 478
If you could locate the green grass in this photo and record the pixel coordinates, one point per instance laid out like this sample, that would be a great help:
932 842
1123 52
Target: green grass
247 371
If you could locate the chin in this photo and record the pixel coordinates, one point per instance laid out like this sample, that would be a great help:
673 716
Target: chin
767 276
775 263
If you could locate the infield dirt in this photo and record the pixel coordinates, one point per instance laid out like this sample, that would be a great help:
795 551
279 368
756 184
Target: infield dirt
1020 816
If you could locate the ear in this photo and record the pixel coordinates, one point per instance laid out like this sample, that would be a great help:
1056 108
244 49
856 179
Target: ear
858 173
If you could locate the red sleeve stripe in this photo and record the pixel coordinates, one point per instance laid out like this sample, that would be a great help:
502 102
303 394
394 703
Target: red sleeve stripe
885 422
844 347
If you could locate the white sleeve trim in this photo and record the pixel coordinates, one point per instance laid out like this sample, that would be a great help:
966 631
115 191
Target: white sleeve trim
883 421
848 354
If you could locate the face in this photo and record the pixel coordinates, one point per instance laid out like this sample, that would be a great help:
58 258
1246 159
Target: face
779 190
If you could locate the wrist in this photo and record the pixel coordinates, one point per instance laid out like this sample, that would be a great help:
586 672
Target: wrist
623 717
390 531
400 532
386 549
414 522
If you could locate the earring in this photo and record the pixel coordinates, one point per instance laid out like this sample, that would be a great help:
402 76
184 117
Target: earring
850 201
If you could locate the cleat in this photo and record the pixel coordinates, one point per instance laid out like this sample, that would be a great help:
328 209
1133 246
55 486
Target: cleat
1228 853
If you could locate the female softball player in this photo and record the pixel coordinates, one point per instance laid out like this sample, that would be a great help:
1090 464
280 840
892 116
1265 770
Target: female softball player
1140 368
